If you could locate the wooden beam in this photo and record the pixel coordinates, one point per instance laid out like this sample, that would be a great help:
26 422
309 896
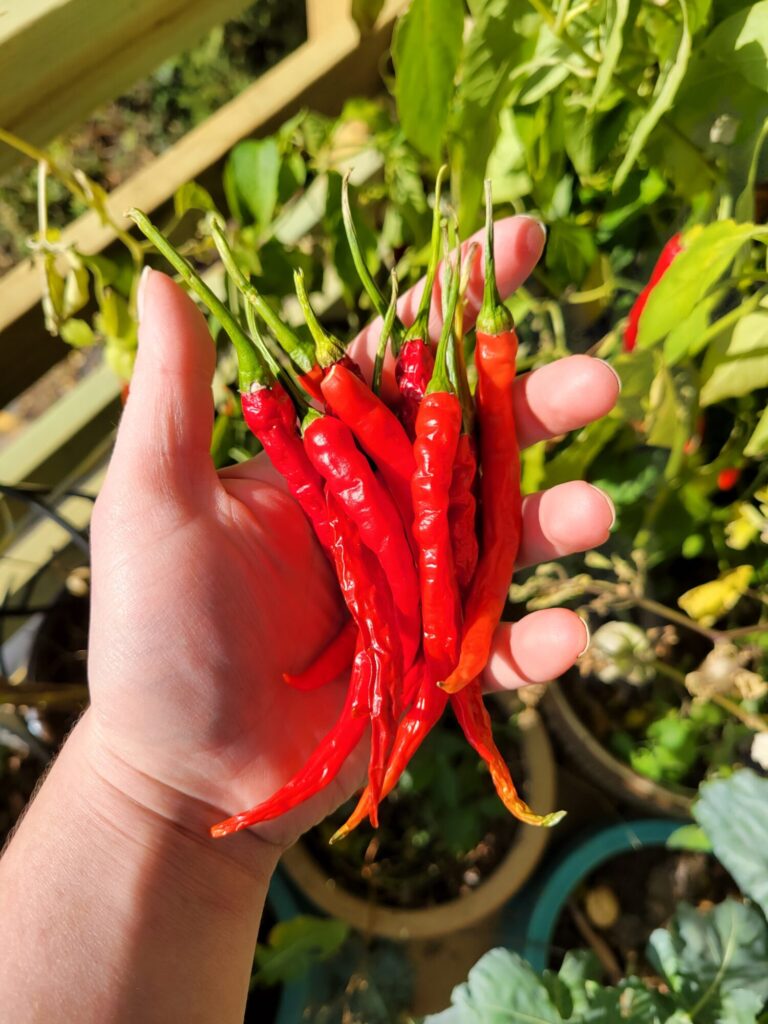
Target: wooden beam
323 15
321 74
60 59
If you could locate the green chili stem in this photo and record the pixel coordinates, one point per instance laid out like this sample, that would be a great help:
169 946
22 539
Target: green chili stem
441 377
420 327
461 383
366 278
329 350
494 317
288 340
286 374
251 367
386 330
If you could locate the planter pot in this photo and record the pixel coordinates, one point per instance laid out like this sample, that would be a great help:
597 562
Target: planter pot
445 940
603 768
544 904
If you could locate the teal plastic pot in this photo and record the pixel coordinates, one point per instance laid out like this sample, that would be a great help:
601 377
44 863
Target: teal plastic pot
550 895
296 995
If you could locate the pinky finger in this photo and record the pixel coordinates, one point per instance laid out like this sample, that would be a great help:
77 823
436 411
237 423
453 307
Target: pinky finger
537 649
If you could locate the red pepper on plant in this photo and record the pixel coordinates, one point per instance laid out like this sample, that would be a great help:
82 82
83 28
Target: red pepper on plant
728 478
668 254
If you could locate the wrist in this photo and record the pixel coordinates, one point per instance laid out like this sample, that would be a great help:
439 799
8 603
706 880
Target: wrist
157 815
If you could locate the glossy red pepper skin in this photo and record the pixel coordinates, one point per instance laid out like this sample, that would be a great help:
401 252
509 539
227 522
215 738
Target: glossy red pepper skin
274 423
335 658
668 254
473 717
413 372
319 770
368 598
378 432
728 478
501 516
331 448
462 511
438 425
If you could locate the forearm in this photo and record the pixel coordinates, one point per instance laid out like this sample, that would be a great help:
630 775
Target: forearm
113 911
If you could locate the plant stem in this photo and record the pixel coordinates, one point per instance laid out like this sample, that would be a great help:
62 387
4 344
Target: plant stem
754 722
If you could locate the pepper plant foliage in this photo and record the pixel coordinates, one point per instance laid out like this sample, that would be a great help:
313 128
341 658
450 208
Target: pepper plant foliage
713 963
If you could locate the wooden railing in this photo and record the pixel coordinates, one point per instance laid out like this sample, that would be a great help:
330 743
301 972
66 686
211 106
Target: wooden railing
69 442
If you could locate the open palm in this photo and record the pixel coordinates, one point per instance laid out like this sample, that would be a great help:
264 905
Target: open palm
207 587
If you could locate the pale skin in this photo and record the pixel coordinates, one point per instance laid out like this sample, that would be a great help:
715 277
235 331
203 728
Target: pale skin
116 905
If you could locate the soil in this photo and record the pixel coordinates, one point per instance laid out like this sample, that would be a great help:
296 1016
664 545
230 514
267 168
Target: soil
629 896
436 842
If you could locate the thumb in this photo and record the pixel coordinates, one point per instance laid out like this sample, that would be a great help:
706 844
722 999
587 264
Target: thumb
165 432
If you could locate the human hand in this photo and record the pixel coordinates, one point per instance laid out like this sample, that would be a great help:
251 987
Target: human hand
207 587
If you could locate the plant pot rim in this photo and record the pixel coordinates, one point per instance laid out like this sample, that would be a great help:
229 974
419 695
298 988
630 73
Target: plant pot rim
586 853
606 769
464 911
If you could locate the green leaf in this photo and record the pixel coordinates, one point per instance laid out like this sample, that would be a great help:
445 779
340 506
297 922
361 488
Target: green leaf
707 255
664 95
192 196
690 837
78 333
706 958
757 445
425 51
611 52
737 365
741 43
503 989
295 945
579 967
251 178
734 814
684 340
365 13
495 45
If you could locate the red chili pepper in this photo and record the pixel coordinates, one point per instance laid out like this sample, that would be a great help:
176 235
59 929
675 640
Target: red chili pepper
438 425
319 770
369 600
334 659
462 511
475 722
415 362
329 351
378 431
668 254
265 413
495 354
728 478
331 448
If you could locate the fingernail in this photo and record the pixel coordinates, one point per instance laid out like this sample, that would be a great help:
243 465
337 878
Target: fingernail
535 234
608 502
141 290
588 640
613 371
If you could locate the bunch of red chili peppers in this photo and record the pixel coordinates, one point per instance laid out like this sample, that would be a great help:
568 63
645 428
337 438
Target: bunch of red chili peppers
417 505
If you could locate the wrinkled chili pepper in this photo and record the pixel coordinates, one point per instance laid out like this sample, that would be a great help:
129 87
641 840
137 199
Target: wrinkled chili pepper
668 254
473 717
331 448
501 519
334 659
438 424
415 362
378 431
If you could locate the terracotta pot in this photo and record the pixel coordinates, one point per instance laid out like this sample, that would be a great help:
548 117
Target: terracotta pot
602 767
465 911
